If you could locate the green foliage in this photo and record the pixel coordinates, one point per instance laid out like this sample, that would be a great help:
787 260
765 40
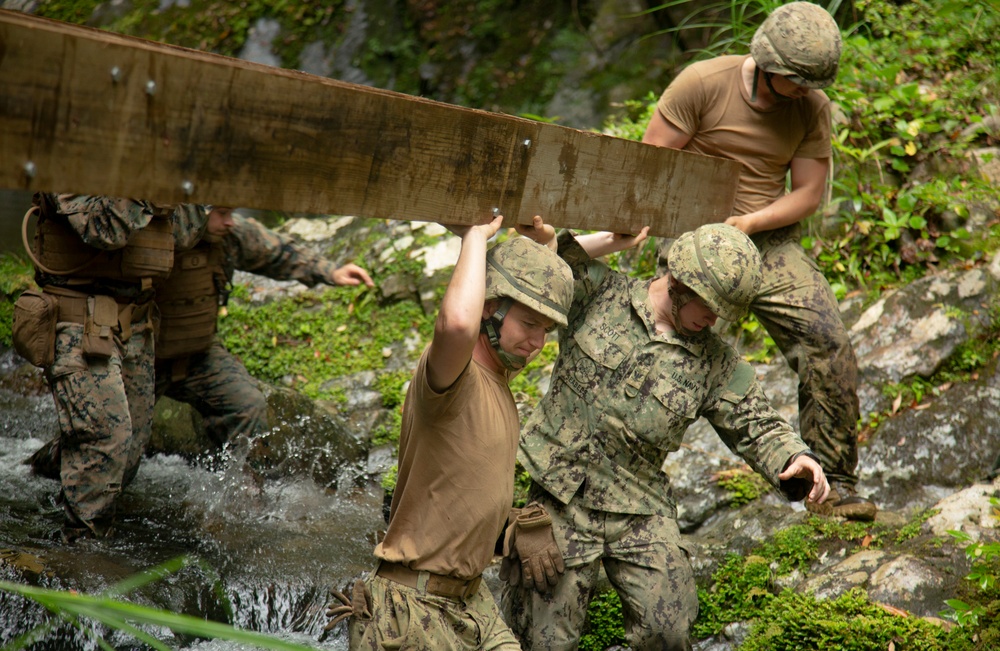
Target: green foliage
912 528
744 485
311 339
851 622
742 586
754 341
912 77
522 484
389 479
15 277
914 81
82 611
740 589
392 387
729 25
217 25
984 575
603 627
630 123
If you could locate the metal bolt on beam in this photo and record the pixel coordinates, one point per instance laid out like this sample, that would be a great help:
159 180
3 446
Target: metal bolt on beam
496 211
527 143
30 170
150 87
116 75
187 187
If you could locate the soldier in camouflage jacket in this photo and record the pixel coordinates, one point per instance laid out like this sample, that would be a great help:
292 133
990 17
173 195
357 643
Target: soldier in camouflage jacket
638 363
191 364
96 259
204 374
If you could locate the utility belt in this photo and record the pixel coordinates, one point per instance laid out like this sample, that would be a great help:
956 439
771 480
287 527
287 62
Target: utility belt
436 584
37 311
103 318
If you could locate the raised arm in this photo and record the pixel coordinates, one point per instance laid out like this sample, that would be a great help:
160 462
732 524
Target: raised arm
456 329
595 244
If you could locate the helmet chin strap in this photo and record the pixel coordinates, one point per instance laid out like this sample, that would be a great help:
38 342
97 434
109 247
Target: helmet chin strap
491 327
677 301
770 87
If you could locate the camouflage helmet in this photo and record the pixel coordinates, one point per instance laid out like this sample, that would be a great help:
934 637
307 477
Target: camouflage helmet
721 265
531 274
800 41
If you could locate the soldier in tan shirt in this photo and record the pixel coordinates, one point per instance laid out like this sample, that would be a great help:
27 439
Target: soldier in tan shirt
457 450
767 111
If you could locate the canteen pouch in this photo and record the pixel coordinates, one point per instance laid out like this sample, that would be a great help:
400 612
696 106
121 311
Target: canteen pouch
98 329
34 327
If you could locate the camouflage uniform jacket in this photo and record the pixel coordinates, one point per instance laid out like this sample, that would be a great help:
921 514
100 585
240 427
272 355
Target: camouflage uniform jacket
622 397
251 247
106 223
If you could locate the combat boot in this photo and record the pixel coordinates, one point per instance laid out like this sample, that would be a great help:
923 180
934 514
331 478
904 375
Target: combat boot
844 501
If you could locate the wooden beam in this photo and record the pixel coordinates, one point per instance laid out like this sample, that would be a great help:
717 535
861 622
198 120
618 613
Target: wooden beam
92 112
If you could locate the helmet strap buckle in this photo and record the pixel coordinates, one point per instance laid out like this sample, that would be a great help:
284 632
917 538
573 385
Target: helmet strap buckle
678 299
491 327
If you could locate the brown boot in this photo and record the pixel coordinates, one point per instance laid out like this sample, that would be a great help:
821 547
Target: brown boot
844 501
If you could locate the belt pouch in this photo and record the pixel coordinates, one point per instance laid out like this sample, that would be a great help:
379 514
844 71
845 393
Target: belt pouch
34 327
98 330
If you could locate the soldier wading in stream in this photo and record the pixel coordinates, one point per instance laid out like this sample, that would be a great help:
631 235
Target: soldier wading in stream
457 450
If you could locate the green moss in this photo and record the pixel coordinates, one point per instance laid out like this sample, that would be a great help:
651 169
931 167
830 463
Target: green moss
743 484
16 275
312 339
851 622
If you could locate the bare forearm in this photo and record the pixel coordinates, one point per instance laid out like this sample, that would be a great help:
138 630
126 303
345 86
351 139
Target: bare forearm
463 299
789 209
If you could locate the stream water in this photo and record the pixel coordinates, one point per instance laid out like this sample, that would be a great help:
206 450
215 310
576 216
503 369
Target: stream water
272 553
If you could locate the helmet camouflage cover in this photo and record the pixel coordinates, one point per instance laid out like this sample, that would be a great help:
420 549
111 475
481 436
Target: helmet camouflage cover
531 274
800 41
721 265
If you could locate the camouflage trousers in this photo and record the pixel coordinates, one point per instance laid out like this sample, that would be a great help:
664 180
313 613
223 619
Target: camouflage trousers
645 563
105 411
797 307
414 620
219 387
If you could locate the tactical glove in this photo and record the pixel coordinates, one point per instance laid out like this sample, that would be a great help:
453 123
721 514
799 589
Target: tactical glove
359 605
531 556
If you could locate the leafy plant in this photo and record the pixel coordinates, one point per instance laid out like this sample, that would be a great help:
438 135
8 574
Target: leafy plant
603 627
81 610
984 575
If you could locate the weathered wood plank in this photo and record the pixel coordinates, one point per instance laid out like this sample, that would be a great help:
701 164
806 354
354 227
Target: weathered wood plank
82 110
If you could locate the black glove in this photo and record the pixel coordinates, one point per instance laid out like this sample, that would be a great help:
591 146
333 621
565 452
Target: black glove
531 555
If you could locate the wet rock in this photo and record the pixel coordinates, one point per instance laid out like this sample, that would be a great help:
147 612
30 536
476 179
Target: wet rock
307 438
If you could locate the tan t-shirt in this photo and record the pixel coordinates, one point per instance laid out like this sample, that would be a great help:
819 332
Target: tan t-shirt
456 473
709 101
